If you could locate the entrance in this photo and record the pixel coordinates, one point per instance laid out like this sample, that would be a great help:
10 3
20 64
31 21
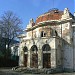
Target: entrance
46 60
34 61
25 60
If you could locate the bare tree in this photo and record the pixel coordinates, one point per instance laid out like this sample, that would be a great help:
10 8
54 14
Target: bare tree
10 27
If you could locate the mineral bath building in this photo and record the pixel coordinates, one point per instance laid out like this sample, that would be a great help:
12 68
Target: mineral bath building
49 42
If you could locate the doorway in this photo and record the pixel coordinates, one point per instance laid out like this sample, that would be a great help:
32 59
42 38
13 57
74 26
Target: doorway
25 60
46 60
34 61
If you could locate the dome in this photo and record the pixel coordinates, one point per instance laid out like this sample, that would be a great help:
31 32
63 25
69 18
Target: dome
53 14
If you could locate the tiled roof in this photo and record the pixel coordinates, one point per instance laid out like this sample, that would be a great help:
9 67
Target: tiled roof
54 14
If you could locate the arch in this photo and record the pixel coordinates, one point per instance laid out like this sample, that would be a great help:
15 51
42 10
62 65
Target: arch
53 32
46 47
56 34
34 60
43 34
25 49
34 48
46 56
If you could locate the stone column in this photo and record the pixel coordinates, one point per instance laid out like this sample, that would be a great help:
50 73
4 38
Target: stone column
40 59
29 59
21 58
53 58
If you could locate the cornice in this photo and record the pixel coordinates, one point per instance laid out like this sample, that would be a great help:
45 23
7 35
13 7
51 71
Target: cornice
49 23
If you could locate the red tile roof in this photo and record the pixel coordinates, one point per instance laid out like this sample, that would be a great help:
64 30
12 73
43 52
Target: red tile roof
51 15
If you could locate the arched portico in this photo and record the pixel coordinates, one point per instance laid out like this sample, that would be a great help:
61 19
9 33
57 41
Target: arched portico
46 56
34 54
25 49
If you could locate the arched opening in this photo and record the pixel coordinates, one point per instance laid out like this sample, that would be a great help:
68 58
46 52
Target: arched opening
34 61
56 34
46 47
43 34
25 49
46 56
53 32
34 48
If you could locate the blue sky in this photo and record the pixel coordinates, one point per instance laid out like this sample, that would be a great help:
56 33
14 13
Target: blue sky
27 9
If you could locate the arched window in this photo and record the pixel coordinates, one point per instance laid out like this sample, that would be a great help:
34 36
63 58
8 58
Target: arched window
53 32
34 48
56 34
25 49
43 34
46 47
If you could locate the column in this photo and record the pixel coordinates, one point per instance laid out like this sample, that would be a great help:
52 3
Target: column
40 59
21 58
53 58
29 59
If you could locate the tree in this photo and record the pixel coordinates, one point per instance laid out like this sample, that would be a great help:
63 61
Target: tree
10 26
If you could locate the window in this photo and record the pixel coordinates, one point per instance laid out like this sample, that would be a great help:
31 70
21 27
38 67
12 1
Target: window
53 33
56 34
43 34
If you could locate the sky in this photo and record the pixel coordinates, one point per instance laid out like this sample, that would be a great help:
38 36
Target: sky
27 9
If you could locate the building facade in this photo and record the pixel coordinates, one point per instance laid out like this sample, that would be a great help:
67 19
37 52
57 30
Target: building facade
49 42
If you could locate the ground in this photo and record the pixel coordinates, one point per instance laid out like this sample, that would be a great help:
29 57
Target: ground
8 71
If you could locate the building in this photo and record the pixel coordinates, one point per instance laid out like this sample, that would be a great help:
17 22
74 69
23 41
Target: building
15 50
49 42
